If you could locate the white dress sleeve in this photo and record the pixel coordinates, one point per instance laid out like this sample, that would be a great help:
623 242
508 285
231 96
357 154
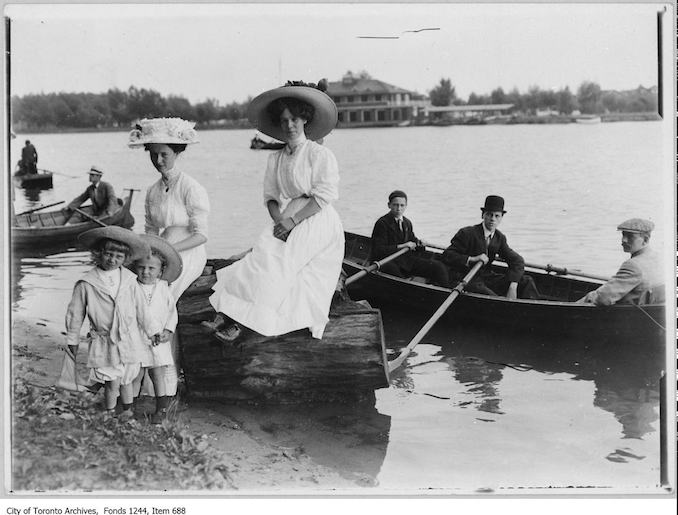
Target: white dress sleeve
325 176
149 226
271 186
197 208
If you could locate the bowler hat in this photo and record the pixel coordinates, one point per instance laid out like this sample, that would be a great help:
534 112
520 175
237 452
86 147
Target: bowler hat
173 263
324 117
636 225
493 203
138 247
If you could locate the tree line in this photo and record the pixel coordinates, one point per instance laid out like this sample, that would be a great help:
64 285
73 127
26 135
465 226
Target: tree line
589 99
115 109
119 109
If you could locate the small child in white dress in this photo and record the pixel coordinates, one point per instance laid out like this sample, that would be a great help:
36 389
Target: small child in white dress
154 273
109 297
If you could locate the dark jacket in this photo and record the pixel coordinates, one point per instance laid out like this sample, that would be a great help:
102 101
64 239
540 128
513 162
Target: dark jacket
103 199
470 241
386 236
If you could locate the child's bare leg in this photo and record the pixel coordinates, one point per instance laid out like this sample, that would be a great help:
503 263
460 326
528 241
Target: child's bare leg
111 390
158 377
126 394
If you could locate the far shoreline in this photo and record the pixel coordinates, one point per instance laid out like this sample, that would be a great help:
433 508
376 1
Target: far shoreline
514 120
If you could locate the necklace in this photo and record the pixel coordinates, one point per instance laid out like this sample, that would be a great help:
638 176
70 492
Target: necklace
148 292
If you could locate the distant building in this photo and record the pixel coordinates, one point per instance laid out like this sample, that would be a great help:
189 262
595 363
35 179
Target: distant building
365 102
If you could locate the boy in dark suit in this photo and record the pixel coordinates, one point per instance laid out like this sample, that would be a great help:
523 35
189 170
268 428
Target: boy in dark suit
484 242
393 232
101 194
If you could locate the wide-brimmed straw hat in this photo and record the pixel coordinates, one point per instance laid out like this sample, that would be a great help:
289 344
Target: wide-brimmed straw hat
138 247
173 262
162 130
324 118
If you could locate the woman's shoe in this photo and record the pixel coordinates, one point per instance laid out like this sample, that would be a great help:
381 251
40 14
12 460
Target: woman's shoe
215 324
230 334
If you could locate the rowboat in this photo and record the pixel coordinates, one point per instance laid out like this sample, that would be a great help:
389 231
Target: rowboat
554 314
348 364
259 144
41 180
588 119
49 228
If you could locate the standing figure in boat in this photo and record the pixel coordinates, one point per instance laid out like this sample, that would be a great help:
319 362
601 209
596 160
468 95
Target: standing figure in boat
639 279
484 242
288 280
177 206
29 159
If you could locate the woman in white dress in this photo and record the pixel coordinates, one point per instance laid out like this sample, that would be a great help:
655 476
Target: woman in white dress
288 280
177 206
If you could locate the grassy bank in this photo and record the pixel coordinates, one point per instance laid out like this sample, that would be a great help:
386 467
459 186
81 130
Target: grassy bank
62 442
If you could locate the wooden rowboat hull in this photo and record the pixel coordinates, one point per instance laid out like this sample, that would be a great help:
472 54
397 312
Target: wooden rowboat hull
47 229
41 180
621 322
349 363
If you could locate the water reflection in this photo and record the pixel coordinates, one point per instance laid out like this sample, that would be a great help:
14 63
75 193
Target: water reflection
626 378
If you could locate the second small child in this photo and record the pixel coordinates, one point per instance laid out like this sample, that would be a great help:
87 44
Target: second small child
155 272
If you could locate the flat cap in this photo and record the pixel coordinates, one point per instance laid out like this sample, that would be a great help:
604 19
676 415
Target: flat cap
636 225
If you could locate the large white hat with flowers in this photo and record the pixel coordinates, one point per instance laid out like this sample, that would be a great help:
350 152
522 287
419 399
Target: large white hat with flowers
162 130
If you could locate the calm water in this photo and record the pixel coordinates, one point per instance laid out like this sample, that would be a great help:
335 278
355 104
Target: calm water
472 411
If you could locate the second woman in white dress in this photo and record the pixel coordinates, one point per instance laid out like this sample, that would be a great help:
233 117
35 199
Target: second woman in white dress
288 280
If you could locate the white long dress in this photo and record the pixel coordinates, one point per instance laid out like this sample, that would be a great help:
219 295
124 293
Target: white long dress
175 211
284 286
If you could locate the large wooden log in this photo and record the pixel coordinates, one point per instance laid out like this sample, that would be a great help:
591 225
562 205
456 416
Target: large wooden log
347 364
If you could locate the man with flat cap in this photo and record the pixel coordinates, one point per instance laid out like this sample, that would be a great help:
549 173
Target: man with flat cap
639 279
484 242
101 194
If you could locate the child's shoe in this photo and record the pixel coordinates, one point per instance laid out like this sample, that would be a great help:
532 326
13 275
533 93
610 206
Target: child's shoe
230 334
158 417
126 415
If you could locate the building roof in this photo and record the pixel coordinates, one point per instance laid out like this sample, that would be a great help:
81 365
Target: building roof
358 86
481 107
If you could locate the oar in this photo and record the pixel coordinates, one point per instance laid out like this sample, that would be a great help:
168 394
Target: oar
375 266
90 217
392 365
549 268
39 208
58 173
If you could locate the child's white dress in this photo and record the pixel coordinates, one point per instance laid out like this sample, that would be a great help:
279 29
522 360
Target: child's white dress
116 310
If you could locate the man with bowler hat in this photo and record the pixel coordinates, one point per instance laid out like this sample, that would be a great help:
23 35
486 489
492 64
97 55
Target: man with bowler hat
639 279
484 242
101 194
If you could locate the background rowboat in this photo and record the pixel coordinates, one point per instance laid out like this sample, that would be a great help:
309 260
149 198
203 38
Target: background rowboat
41 180
48 228
556 314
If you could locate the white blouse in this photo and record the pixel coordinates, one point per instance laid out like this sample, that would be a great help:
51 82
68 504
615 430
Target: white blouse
311 171
181 202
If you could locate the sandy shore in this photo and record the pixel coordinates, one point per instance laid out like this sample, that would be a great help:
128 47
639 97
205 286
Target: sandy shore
261 453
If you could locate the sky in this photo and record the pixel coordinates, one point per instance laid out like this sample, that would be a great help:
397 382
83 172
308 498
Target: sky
228 52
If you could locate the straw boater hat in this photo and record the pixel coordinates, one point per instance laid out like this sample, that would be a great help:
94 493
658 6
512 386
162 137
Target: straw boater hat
162 130
173 261
95 170
324 118
138 247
